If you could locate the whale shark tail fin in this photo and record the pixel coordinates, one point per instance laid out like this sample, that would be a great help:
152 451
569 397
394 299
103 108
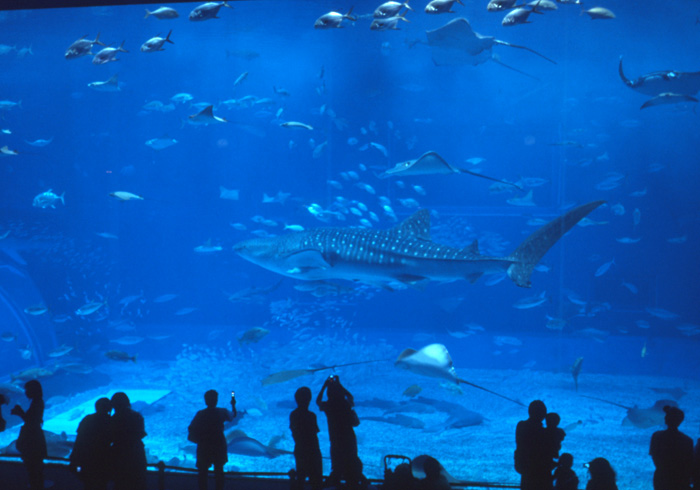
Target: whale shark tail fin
531 251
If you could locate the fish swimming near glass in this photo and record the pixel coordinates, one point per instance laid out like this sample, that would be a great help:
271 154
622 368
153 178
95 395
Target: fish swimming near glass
456 43
404 254
642 418
666 81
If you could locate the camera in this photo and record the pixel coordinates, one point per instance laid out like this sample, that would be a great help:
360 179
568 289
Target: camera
332 378
233 394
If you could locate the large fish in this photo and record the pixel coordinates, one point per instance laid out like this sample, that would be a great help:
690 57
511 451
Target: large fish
403 254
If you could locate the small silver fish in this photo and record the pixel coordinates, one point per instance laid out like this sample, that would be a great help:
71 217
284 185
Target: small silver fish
390 9
333 20
156 43
604 268
82 47
441 6
90 308
162 13
47 199
107 55
207 11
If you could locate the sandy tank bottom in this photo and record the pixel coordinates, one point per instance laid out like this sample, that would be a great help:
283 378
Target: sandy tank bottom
482 452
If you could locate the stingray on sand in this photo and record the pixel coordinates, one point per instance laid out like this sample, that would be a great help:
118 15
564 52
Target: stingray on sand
237 442
433 360
456 43
282 376
430 163
642 418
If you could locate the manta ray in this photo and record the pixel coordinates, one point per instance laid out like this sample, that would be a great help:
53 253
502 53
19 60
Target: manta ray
456 43
206 116
404 254
433 360
430 163
642 418
663 82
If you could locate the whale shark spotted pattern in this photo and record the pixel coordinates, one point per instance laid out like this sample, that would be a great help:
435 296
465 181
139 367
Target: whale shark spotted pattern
403 254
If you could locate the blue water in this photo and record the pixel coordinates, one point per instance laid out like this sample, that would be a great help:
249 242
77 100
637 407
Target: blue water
573 124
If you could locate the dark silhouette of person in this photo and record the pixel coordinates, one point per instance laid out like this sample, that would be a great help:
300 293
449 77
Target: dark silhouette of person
3 401
207 431
533 451
91 451
342 420
696 465
554 434
672 452
434 479
564 476
401 479
127 453
307 453
602 475
31 442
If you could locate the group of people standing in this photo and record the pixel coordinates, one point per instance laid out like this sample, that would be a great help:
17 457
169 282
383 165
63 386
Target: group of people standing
110 447
538 446
207 431
107 447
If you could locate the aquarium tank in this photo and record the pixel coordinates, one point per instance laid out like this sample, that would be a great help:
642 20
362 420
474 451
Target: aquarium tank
456 209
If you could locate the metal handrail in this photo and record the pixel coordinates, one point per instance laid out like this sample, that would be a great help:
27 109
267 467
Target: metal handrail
161 468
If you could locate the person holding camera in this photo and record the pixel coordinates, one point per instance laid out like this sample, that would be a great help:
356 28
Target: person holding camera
342 420
207 431
31 442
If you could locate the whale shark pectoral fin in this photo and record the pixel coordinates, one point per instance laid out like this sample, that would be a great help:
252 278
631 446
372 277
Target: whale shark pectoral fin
414 281
306 260
472 278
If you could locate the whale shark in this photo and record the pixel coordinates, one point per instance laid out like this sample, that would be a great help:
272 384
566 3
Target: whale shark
404 254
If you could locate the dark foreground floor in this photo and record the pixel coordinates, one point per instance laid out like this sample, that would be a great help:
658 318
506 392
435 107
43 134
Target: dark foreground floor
58 477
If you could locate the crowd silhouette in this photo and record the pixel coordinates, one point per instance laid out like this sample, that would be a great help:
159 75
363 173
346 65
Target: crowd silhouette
109 448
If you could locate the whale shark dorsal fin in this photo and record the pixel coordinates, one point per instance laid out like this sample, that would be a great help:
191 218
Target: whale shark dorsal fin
417 226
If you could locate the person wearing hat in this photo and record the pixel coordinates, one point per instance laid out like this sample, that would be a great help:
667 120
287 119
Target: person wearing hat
672 452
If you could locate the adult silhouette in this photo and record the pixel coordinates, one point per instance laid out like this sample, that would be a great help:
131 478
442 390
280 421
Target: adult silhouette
672 452
91 451
602 475
128 454
31 442
533 450
207 431
3 401
342 420
307 454
696 465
